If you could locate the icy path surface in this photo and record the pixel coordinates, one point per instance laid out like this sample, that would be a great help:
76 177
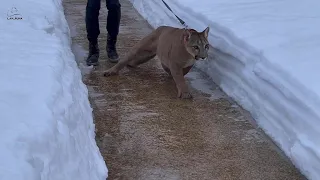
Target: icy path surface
267 60
46 124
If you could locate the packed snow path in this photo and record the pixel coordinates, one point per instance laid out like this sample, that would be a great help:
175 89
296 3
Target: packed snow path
145 133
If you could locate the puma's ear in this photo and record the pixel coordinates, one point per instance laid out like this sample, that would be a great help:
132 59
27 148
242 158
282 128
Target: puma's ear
186 35
206 32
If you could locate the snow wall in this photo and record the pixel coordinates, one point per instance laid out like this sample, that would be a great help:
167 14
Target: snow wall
46 123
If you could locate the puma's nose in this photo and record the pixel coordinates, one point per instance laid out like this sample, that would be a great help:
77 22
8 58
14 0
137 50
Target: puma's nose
200 57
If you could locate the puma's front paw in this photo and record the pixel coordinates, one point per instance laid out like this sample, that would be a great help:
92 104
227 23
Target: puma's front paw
184 95
110 72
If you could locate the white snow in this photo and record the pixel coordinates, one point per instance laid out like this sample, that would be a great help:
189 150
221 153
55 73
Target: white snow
46 124
266 58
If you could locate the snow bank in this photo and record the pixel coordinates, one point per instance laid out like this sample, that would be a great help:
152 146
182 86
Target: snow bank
46 124
267 60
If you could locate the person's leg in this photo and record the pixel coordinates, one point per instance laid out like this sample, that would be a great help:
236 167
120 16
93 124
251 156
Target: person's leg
113 23
93 31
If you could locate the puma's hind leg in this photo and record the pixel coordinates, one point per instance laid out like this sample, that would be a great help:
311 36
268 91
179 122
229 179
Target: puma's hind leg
142 58
142 52
146 50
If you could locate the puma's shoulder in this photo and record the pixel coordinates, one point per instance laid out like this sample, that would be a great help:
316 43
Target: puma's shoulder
169 37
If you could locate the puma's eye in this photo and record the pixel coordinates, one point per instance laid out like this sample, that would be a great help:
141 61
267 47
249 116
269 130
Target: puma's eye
207 46
195 47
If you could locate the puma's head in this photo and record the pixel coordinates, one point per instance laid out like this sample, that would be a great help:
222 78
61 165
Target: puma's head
197 43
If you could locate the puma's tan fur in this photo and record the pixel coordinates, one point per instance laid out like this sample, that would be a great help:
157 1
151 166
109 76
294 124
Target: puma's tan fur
177 49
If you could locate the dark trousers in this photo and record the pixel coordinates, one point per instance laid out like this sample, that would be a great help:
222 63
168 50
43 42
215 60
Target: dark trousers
92 18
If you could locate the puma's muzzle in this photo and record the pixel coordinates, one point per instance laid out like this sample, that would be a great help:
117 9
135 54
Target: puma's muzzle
200 57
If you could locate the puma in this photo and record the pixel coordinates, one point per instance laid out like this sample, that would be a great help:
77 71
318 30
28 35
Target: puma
178 50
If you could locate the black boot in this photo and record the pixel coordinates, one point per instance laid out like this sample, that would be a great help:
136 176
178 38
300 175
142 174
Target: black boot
93 56
111 49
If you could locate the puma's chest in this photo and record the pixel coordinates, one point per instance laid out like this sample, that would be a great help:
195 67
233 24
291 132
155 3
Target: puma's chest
189 62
